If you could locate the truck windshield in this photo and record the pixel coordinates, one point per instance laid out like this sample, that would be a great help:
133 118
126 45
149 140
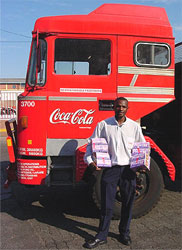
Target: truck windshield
41 74
82 57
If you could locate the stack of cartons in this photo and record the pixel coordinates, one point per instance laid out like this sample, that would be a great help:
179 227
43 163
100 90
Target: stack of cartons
140 156
100 152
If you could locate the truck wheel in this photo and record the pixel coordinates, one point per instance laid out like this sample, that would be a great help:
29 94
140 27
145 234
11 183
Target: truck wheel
149 188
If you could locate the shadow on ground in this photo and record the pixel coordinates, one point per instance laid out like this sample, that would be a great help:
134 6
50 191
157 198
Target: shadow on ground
61 207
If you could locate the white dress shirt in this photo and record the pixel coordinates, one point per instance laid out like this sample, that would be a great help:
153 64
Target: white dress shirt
120 139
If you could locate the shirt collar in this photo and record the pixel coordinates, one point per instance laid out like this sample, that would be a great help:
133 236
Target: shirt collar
122 123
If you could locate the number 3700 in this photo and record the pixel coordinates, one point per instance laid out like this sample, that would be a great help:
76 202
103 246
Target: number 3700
27 104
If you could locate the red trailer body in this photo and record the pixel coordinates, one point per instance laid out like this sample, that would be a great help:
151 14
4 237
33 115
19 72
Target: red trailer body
78 65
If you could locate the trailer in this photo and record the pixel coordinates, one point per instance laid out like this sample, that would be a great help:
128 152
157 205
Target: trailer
78 66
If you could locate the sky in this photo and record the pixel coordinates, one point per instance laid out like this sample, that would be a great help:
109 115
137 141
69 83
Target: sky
18 18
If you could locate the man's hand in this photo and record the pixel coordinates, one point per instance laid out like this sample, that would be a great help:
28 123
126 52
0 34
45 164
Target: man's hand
93 165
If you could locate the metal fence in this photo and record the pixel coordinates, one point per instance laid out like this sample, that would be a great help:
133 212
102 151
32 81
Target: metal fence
8 104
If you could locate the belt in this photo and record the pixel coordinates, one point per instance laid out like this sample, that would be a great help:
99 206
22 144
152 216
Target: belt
121 166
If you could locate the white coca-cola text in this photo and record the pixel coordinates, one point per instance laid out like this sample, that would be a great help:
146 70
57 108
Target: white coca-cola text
81 116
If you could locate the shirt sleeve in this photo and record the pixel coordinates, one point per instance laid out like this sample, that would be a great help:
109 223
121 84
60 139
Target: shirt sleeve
88 155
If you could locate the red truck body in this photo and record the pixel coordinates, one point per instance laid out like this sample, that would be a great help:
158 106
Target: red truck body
66 96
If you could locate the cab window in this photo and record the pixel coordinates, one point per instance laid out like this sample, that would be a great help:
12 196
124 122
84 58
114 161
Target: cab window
41 74
152 54
82 57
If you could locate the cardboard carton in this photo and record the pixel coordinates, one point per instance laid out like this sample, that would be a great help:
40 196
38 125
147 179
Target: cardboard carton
136 151
100 141
99 145
103 163
102 159
100 152
141 145
140 156
141 160
99 148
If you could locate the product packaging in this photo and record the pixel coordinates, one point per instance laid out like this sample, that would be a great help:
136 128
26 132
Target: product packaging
141 160
141 145
140 156
99 145
100 152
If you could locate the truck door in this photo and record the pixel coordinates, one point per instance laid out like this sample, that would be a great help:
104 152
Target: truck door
84 74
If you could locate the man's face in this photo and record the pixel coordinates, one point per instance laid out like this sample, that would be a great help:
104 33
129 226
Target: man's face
120 108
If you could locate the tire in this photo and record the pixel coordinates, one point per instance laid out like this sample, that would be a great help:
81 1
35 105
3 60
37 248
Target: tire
150 185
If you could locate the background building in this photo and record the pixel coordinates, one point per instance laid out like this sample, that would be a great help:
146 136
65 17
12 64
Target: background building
12 83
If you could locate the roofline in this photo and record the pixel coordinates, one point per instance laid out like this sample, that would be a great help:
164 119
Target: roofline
12 80
111 19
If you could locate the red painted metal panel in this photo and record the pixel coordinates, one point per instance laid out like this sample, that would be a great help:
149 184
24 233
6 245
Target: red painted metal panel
138 104
170 167
32 140
31 172
111 19
80 164
10 149
71 119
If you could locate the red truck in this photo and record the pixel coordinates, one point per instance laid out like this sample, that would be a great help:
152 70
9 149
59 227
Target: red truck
78 65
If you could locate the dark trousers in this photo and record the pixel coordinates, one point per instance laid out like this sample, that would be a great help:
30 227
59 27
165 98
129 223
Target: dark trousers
126 179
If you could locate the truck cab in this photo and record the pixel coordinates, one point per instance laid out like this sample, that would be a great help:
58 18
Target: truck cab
78 66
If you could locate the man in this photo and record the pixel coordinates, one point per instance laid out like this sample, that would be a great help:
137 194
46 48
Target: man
120 133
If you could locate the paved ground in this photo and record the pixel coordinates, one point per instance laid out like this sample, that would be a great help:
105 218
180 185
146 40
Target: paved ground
2 128
56 218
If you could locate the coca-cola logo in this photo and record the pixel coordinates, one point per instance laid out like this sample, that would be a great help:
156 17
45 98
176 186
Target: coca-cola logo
81 116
